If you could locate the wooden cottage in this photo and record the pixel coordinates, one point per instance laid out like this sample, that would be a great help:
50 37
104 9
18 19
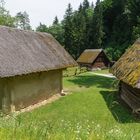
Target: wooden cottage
127 70
31 65
94 59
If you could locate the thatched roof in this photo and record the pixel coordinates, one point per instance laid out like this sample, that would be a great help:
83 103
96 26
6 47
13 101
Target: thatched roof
89 56
127 68
23 52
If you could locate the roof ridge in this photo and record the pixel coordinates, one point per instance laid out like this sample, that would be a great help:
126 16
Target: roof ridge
94 50
22 30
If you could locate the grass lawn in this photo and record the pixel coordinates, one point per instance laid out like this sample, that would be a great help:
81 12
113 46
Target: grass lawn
91 112
73 71
105 71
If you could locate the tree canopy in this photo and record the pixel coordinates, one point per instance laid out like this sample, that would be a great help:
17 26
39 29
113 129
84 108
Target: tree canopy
22 21
109 24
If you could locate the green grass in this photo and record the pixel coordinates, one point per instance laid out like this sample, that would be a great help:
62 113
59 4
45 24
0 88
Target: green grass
105 71
74 71
91 112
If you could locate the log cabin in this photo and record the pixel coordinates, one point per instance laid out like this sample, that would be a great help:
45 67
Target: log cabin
94 59
127 70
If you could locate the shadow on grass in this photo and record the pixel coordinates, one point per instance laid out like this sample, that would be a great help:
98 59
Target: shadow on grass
120 112
92 80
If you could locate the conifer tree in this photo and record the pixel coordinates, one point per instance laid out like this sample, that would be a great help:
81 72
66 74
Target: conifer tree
68 30
96 28
56 21
134 15
23 21
85 4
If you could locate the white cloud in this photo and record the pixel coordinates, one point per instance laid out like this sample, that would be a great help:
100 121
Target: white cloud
42 11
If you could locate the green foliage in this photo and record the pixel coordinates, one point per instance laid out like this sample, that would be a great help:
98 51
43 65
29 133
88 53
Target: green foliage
56 21
90 112
114 50
74 71
68 29
56 30
5 18
76 26
96 33
42 28
111 24
72 31
85 4
23 21
133 10
136 32
117 27
134 16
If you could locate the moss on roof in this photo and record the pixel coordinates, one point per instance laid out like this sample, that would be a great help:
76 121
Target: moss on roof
89 56
127 68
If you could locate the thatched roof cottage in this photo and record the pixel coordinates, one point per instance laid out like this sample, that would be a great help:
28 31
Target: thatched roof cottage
127 70
93 59
31 65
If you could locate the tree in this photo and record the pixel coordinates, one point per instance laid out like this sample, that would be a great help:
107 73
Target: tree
117 27
112 24
56 30
92 5
42 28
85 4
68 30
136 32
5 18
78 33
2 3
56 21
133 8
81 21
23 21
96 33
76 26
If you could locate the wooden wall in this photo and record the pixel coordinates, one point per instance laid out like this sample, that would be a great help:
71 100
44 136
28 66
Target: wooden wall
131 96
100 62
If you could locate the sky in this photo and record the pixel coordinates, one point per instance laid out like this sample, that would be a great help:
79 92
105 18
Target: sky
42 11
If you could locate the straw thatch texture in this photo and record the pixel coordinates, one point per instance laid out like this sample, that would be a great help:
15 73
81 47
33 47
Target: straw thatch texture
89 56
23 52
127 68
